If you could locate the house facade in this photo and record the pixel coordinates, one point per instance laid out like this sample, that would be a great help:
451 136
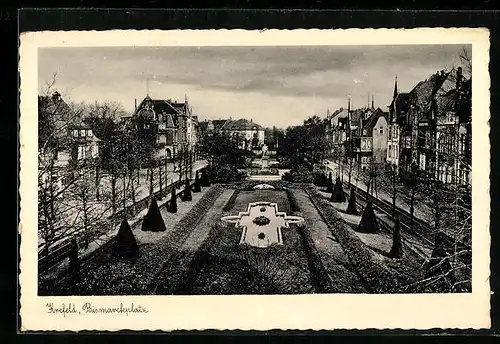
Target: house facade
248 134
64 141
172 123
430 128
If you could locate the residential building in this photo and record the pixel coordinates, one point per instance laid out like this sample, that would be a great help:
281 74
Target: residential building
249 134
173 123
432 125
64 141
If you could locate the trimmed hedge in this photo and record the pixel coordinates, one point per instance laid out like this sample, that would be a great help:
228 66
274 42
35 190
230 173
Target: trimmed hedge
230 202
376 278
320 277
294 205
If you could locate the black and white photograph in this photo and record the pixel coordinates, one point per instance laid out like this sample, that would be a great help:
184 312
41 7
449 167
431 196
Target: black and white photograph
205 170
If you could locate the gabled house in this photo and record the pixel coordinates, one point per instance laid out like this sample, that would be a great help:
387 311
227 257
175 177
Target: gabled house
174 126
433 124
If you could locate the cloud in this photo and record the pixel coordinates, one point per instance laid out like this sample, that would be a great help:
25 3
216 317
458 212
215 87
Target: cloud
277 84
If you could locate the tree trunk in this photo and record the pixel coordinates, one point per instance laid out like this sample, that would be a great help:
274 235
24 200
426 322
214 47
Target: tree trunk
151 190
412 208
97 195
124 192
160 179
132 190
394 194
113 193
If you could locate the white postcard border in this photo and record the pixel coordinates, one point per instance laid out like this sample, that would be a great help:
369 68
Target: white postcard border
316 312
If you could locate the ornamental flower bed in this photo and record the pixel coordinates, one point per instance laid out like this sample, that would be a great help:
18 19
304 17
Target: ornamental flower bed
261 221
376 278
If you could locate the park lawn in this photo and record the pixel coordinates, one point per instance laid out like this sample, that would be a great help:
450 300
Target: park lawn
274 196
170 219
408 268
232 268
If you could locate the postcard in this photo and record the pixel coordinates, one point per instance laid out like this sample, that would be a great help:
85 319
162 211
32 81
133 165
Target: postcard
254 180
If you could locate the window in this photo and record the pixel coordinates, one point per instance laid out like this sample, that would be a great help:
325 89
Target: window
381 130
75 133
82 133
95 151
81 152
89 133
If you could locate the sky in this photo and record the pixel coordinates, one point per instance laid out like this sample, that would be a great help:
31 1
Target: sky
278 86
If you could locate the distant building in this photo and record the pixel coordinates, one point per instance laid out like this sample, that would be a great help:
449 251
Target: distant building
249 134
64 140
173 123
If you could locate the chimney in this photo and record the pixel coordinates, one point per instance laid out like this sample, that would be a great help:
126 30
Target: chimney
135 105
373 102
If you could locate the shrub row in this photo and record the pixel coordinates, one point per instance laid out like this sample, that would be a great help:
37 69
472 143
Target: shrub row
320 277
294 205
375 277
230 202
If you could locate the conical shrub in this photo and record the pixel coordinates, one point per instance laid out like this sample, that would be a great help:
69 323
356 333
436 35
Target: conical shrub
368 223
351 207
397 246
324 179
74 262
439 265
153 221
186 195
338 194
125 244
204 180
196 186
329 185
172 204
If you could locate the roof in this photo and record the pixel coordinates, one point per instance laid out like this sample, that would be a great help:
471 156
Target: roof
341 113
401 101
373 119
242 125
356 115
219 123
165 106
